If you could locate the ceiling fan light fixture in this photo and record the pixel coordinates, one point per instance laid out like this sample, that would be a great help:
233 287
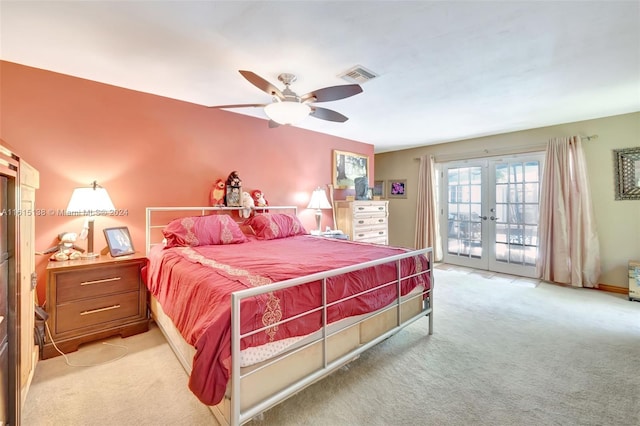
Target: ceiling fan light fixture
287 112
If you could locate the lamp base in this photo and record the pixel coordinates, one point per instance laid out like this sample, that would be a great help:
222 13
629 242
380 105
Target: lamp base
319 220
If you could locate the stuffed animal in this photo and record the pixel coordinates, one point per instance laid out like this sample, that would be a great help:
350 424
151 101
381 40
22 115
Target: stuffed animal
66 248
258 198
234 179
247 205
234 190
217 193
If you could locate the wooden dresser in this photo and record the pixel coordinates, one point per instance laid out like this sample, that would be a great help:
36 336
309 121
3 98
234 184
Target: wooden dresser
365 221
93 299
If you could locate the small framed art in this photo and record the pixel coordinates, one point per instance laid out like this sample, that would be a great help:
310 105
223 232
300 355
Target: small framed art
378 188
397 188
119 241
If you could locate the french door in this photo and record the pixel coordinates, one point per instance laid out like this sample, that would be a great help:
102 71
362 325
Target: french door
490 211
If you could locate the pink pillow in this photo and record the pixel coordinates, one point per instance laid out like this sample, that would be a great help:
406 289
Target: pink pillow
269 226
202 231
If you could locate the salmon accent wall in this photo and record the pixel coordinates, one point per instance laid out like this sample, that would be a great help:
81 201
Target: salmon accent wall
147 150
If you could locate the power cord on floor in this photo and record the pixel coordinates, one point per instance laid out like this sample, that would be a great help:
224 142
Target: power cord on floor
126 351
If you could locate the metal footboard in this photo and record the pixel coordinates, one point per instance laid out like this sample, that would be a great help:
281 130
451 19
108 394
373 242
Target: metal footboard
239 416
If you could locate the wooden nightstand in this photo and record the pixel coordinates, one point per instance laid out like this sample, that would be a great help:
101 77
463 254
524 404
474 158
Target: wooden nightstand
93 299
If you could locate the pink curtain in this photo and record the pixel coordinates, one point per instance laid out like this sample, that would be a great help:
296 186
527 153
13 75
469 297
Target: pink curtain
569 246
427 229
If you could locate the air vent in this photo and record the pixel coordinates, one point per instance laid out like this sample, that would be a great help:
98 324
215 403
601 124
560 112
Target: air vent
358 75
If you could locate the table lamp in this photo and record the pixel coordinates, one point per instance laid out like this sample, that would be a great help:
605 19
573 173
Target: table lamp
318 202
90 201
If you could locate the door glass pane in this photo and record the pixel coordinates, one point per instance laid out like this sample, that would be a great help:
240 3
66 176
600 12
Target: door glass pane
502 252
464 211
531 193
501 212
476 193
517 206
476 212
501 233
502 175
531 214
501 193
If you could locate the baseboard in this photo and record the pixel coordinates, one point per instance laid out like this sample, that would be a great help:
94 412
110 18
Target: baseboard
613 289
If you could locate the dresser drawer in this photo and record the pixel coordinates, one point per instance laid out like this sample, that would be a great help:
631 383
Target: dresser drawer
375 240
85 313
84 283
369 209
369 233
368 222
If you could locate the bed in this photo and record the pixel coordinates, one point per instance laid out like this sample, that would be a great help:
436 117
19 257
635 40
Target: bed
257 309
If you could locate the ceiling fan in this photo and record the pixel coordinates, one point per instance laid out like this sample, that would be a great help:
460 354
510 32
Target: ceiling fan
289 108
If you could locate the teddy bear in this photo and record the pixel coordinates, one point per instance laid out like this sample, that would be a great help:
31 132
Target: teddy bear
66 248
258 198
247 205
234 190
217 197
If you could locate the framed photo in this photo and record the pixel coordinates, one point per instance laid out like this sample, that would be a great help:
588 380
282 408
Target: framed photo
378 188
119 241
347 166
397 188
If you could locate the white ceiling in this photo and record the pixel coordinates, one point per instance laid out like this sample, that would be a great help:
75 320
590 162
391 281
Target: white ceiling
447 70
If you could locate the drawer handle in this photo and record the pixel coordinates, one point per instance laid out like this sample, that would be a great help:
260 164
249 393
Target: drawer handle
361 222
380 208
95 311
106 280
360 208
381 233
380 220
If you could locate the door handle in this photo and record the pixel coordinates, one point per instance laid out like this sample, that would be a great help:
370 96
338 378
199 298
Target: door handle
483 217
494 218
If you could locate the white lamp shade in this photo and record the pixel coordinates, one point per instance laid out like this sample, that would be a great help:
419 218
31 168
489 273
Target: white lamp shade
287 112
89 201
319 200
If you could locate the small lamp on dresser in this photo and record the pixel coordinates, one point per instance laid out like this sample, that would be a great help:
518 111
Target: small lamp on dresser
89 201
318 202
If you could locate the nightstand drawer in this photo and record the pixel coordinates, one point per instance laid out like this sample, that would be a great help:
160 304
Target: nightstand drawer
85 283
85 313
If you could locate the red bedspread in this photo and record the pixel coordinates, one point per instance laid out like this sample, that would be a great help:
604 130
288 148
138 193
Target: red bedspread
194 284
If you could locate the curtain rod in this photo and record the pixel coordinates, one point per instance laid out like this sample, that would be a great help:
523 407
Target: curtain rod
516 150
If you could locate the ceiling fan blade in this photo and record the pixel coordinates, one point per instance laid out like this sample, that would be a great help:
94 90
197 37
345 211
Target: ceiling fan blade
327 114
332 93
262 84
238 106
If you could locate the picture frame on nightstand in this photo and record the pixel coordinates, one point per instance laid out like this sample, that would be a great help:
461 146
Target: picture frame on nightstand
119 241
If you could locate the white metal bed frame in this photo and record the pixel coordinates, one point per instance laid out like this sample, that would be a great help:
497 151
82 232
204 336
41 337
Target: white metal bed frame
237 414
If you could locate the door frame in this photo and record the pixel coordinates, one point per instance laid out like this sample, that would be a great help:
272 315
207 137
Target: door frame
488 260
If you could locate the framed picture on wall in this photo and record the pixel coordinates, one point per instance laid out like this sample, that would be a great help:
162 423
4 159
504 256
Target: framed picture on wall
378 188
348 166
397 188
119 241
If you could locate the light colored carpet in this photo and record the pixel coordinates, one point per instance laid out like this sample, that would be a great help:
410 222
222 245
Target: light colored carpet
503 352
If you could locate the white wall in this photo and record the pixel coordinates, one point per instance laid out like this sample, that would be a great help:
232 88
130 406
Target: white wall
618 222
